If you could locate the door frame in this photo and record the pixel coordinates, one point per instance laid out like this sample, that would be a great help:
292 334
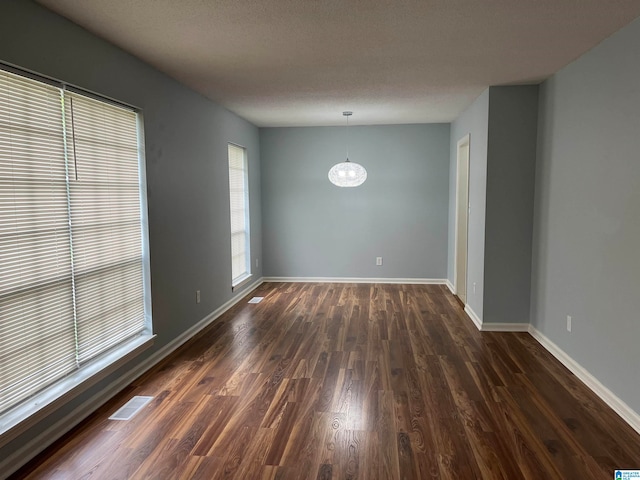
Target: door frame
465 164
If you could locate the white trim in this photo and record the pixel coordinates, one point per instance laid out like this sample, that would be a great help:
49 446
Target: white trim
241 282
473 316
408 281
620 407
504 327
462 142
449 286
40 442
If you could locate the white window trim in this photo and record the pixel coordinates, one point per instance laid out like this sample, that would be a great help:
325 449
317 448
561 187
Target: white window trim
239 282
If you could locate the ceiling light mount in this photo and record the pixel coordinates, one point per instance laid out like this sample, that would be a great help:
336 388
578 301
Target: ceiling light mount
347 173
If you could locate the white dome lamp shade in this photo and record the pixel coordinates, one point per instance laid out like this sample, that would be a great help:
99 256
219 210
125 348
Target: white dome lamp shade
347 173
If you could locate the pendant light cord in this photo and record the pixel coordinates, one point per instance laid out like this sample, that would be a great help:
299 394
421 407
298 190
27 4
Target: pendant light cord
347 138
347 114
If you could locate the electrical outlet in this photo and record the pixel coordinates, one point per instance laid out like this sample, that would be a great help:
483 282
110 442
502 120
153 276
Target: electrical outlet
474 288
257 263
197 296
378 261
568 323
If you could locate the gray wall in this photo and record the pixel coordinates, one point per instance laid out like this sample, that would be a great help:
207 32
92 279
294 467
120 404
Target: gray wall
473 121
187 171
501 124
314 229
587 221
511 154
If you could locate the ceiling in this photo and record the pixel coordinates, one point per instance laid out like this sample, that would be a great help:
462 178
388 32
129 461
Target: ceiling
303 62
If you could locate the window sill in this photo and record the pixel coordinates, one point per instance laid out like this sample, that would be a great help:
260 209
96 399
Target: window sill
24 416
241 282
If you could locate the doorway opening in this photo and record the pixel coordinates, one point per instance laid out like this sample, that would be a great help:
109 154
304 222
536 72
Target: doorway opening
462 219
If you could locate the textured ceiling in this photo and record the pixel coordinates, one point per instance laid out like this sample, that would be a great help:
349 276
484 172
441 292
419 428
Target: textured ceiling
302 62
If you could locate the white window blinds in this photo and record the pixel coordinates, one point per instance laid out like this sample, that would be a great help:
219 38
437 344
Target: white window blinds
239 204
70 233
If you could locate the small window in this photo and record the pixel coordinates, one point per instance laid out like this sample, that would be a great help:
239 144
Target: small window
239 205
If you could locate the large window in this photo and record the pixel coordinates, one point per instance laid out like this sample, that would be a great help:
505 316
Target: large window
239 201
72 255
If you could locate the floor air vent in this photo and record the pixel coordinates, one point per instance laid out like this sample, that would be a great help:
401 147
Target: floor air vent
256 300
129 409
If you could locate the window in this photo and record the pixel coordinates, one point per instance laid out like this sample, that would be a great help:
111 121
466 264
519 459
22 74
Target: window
239 204
72 255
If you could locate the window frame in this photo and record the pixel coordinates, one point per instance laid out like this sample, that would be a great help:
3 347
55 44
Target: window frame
242 279
22 416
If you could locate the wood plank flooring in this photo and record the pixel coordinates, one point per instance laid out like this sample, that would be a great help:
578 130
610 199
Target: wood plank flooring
344 381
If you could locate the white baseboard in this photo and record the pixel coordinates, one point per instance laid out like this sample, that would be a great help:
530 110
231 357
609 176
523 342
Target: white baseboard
504 327
201 325
494 327
409 281
473 316
620 407
449 286
37 444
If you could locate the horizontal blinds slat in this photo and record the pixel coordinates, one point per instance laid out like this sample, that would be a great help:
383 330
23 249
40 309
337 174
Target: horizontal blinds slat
39 276
107 248
30 150
32 303
117 247
23 120
52 342
109 144
98 311
23 374
102 284
28 321
129 316
110 317
118 194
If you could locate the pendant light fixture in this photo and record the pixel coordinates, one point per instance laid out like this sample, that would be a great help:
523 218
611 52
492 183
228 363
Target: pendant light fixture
347 173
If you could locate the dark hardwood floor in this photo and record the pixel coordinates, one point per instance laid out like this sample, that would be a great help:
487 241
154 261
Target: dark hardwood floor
344 381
